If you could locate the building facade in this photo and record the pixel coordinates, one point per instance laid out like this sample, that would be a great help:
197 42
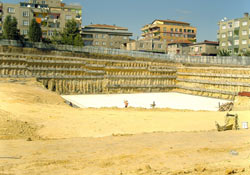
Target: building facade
108 36
155 46
169 31
178 48
51 15
233 35
206 48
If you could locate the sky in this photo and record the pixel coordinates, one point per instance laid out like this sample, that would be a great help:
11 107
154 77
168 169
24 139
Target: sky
134 14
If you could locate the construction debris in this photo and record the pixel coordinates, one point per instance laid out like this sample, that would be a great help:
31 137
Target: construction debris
226 107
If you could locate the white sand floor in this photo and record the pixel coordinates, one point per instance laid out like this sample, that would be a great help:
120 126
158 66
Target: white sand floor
144 100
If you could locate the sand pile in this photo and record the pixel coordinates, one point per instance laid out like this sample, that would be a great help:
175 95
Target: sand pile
28 91
15 129
241 103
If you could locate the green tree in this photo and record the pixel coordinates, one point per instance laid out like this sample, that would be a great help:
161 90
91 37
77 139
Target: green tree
224 53
78 40
35 32
10 30
71 34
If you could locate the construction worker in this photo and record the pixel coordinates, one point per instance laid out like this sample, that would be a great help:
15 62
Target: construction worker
126 103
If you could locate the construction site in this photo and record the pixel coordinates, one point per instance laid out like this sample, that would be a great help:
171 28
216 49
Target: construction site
45 130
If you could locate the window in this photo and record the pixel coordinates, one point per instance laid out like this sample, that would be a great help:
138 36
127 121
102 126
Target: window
159 46
125 37
104 43
172 29
244 50
50 33
68 17
25 32
230 33
96 43
111 44
11 10
229 43
223 44
180 30
111 36
103 36
223 35
164 34
236 42
192 31
244 41
237 24
224 27
230 25
43 2
141 45
185 30
176 30
244 23
96 36
25 22
25 13
244 32
164 29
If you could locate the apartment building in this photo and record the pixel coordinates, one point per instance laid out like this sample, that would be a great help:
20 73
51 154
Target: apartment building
206 48
169 31
51 15
233 35
108 36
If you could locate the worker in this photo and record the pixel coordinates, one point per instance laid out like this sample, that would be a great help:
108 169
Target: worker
153 104
126 103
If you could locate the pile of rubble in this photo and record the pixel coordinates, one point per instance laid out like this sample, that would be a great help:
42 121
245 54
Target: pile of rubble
226 107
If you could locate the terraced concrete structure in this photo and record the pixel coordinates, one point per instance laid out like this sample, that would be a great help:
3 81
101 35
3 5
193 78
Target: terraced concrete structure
83 75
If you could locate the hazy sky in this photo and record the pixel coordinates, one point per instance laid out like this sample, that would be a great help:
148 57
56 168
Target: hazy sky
133 14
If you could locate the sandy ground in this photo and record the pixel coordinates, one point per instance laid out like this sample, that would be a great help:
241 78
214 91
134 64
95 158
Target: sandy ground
107 141
171 100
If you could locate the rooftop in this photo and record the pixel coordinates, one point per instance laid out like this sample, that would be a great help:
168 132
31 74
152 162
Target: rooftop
180 42
105 26
171 21
207 42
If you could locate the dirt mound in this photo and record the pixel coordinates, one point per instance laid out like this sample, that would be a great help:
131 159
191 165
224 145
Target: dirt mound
15 129
241 103
27 91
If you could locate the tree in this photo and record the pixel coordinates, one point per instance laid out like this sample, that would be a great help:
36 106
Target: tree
10 30
224 53
78 40
71 34
35 31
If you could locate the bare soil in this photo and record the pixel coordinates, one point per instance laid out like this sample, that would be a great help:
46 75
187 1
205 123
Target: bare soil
40 134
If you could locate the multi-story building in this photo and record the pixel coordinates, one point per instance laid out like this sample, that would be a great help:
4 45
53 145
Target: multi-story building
103 35
169 31
233 35
206 48
51 15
